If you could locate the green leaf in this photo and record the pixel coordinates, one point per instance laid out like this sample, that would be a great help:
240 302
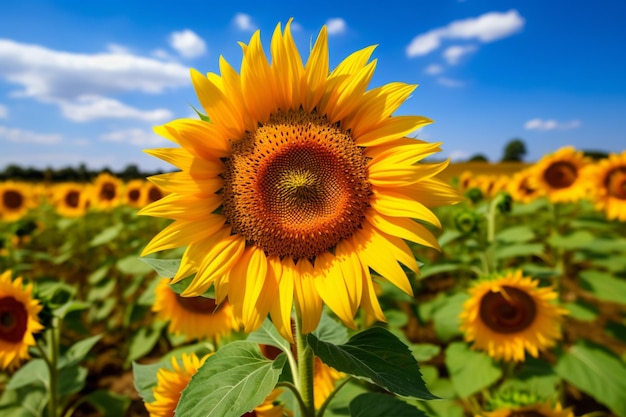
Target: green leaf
581 310
424 351
470 371
579 239
596 371
106 235
329 330
108 403
167 268
98 275
72 379
376 404
132 265
69 307
145 378
143 340
378 356
231 382
439 268
519 250
268 335
603 285
77 352
446 316
34 372
516 234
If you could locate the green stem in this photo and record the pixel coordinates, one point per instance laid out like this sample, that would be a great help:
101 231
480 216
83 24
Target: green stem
320 412
491 236
295 391
304 383
52 362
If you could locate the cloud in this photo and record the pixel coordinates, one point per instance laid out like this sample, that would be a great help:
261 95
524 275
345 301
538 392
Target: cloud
21 136
433 69
91 107
49 75
137 137
485 28
550 124
458 155
336 26
187 43
449 82
244 22
4 111
454 53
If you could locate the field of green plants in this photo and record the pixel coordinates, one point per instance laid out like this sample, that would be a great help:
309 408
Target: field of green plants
522 311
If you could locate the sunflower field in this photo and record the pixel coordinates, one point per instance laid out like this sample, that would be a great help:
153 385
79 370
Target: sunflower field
323 264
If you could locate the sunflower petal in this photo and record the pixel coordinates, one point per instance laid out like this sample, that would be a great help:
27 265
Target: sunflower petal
330 285
307 299
280 309
183 232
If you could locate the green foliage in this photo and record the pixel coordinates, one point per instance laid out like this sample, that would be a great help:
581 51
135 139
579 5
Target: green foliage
376 405
470 371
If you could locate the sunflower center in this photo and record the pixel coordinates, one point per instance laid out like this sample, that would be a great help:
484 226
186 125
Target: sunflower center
530 413
615 183
296 186
509 311
108 191
199 305
133 195
13 320
72 198
525 188
154 194
12 199
560 174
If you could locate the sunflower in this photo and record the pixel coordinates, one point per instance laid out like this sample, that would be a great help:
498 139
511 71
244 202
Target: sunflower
301 182
171 383
324 379
608 185
195 317
534 410
18 320
509 314
558 175
151 192
70 199
520 187
107 191
16 198
135 193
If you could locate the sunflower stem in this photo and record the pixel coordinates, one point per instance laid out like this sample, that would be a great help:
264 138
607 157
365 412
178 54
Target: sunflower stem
305 371
491 234
52 362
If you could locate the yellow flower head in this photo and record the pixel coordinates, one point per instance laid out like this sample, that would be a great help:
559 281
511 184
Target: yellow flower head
195 317
135 193
18 320
302 181
534 410
509 315
520 187
70 199
608 185
558 175
16 198
107 191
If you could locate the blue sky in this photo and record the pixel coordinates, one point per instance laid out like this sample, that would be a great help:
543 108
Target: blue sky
84 82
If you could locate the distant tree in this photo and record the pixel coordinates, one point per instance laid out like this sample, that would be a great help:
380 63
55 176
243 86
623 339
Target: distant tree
514 151
479 157
596 155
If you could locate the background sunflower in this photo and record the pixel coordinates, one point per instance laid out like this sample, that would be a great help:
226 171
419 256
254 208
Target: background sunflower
559 175
607 180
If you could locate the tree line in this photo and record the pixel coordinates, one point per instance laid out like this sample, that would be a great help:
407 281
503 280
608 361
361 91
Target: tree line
75 174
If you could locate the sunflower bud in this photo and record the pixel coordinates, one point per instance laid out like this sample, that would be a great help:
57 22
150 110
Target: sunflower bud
474 194
466 221
504 202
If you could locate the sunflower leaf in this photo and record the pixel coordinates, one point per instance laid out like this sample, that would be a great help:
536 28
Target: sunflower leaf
375 404
378 356
167 268
596 371
231 382
470 371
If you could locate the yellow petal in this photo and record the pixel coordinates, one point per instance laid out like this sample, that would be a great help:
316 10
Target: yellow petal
402 153
195 253
400 176
330 285
245 282
280 309
286 67
257 81
175 206
316 72
346 96
397 204
403 228
182 183
308 301
392 128
182 232
198 137
196 167
352 272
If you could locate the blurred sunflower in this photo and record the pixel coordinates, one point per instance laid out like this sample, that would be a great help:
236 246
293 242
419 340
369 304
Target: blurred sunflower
70 199
135 193
195 317
608 185
301 182
534 410
324 380
16 198
107 191
558 175
520 187
508 315
152 192
171 383
18 320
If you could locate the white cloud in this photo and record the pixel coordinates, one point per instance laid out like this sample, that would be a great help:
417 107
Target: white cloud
90 107
454 53
433 69
336 26
187 43
487 27
458 155
49 75
114 48
137 137
21 136
244 22
4 111
550 124
449 82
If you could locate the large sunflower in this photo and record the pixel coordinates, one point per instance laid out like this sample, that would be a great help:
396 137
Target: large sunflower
534 410
558 175
172 382
195 317
300 184
508 315
608 185
18 320
16 198
71 199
